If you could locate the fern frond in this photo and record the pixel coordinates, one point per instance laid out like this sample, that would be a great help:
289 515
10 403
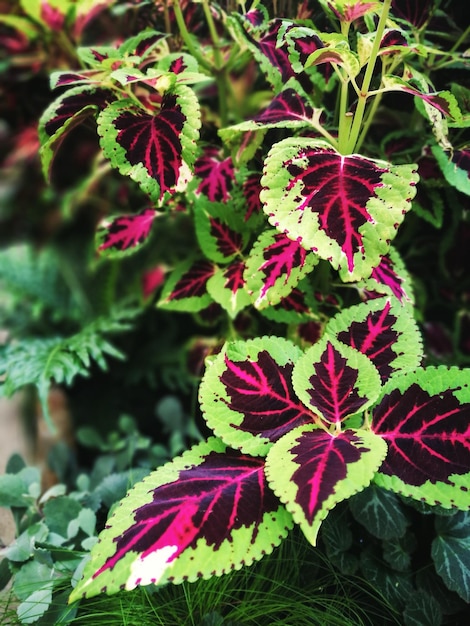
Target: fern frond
40 362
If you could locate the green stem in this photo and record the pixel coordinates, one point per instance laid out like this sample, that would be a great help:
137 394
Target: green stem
214 34
220 66
187 37
345 118
363 94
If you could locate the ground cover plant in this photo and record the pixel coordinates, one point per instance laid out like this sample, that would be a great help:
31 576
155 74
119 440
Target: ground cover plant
291 184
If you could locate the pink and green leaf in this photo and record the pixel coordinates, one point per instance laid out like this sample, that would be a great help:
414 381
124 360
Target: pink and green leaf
384 331
217 175
302 42
335 381
275 266
389 277
288 109
270 51
155 150
65 113
311 470
186 287
455 165
247 397
298 306
346 209
124 234
220 232
424 417
251 189
228 288
204 514
147 46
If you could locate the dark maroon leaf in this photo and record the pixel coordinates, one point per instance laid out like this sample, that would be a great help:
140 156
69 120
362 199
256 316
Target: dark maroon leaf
178 65
217 175
261 390
288 105
126 232
193 282
375 337
154 140
251 191
340 201
228 241
233 274
207 502
332 388
393 37
416 12
72 103
428 435
385 274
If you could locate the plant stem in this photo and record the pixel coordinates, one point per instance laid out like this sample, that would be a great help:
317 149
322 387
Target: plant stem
220 66
363 94
187 37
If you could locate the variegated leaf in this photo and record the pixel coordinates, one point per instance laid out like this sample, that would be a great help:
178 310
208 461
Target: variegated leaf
204 514
346 209
311 470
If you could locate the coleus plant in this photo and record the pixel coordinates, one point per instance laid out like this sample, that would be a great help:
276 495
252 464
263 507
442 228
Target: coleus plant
289 201
295 434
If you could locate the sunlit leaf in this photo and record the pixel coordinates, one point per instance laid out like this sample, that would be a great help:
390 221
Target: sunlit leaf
424 417
247 396
335 380
204 514
346 209
311 470
155 150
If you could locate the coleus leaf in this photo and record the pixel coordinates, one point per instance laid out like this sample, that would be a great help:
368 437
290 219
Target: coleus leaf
157 151
444 101
455 165
337 52
288 109
186 288
228 287
346 209
204 514
66 112
124 234
335 380
275 266
63 79
216 173
251 189
384 331
348 11
220 232
389 277
270 50
298 306
85 12
148 43
302 42
246 394
424 417
311 470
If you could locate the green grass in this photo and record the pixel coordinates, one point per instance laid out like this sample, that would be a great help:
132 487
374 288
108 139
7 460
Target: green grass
295 586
